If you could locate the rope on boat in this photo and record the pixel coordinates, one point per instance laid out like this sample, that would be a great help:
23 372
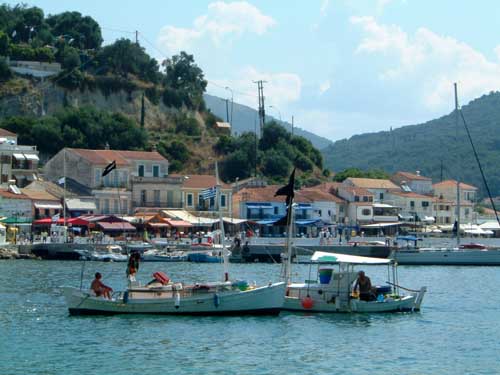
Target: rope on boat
399 286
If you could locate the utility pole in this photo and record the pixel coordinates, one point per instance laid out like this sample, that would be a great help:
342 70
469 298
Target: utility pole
227 110
136 37
262 111
292 126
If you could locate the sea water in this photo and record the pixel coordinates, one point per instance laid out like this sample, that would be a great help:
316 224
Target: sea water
456 332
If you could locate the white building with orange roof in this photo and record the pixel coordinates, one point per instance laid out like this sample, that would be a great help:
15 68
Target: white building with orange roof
378 187
415 181
412 204
448 190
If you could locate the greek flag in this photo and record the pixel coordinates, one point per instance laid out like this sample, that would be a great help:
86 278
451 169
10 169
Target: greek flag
209 193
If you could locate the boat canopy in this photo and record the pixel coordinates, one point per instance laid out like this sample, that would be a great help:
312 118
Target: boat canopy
323 257
408 238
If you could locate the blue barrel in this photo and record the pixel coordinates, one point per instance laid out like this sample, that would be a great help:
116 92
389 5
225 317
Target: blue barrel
325 275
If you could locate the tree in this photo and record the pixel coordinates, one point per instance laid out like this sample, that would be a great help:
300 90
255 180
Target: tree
276 165
85 32
237 164
5 72
124 57
272 133
186 79
4 44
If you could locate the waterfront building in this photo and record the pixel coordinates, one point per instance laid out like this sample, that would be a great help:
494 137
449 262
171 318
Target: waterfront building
139 180
43 204
378 187
412 205
195 188
18 163
448 190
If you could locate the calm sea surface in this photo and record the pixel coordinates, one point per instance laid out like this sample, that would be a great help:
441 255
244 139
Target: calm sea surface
458 330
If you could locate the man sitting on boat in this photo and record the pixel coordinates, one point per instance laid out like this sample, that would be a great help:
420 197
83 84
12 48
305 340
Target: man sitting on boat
99 288
364 285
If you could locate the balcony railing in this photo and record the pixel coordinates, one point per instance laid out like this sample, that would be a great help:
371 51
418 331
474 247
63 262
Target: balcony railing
153 180
162 204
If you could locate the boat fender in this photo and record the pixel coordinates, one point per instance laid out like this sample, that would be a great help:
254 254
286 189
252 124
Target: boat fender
216 300
125 296
161 277
177 300
307 303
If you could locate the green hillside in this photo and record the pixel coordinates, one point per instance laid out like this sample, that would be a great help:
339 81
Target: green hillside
432 148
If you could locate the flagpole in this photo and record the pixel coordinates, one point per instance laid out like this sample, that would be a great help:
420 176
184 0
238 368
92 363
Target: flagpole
221 221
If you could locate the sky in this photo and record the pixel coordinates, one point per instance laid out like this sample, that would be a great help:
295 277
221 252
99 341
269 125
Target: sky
340 67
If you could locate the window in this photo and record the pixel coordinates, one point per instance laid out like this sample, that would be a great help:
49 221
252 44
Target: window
156 197
143 196
170 198
467 212
47 212
115 205
366 212
319 212
106 206
329 213
115 178
190 200
201 201
223 200
212 202
276 210
412 204
341 208
425 204
97 204
356 198
365 198
140 170
98 173
381 196
156 171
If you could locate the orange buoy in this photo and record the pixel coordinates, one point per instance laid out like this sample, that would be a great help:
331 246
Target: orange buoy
307 303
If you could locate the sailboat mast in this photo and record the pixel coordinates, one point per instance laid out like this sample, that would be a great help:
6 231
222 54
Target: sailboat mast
64 196
457 117
221 223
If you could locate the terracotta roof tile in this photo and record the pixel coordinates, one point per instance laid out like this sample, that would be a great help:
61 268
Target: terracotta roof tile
6 133
411 176
39 195
122 158
453 183
9 195
410 195
372 183
356 190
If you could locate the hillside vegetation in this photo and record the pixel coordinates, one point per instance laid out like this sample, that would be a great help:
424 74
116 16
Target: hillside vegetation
118 95
432 148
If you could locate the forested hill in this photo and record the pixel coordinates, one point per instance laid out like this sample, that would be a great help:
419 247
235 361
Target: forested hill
245 118
432 147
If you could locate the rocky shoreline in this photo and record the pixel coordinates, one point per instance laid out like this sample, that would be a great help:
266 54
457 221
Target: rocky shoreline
6 253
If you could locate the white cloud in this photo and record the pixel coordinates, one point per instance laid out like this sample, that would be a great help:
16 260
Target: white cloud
280 89
432 62
223 23
324 7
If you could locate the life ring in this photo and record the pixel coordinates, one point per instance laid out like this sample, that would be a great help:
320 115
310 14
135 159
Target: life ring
161 277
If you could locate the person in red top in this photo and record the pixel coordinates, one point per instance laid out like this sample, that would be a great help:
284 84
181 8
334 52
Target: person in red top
99 288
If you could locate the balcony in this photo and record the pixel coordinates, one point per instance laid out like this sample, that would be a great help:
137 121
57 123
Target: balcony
162 204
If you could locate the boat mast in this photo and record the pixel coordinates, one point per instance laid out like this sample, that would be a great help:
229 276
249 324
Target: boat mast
64 196
288 271
221 223
458 164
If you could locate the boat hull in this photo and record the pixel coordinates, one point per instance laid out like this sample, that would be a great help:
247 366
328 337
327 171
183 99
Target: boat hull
457 257
259 301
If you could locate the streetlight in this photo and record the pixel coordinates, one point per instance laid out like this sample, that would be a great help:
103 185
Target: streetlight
232 103
277 110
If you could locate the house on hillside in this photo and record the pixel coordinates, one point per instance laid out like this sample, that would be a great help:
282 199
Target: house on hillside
414 181
412 205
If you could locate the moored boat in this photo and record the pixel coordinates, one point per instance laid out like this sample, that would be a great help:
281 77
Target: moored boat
333 291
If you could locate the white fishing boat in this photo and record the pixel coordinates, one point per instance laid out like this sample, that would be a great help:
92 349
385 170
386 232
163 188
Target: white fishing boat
446 256
165 297
219 298
333 291
155 255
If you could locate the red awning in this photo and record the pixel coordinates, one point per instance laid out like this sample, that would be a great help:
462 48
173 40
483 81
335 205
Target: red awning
117 226
73 221
178 223
46 221
159 225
